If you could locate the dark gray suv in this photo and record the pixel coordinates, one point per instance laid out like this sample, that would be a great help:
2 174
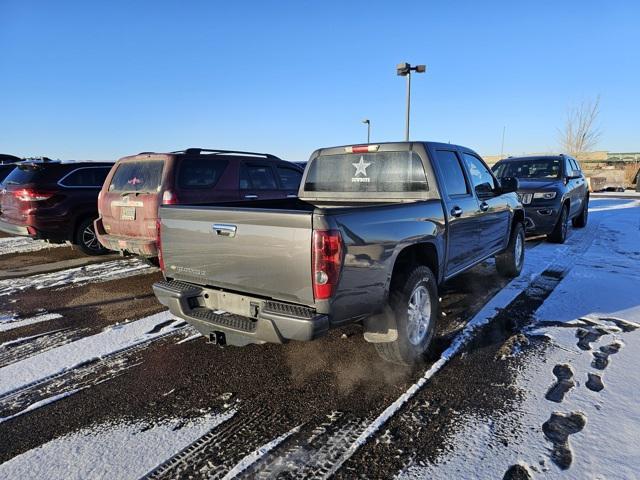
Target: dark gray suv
553 191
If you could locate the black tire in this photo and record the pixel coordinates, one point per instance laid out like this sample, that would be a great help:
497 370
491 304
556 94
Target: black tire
85 239
415 334
152 261
581 220
509 263
559 233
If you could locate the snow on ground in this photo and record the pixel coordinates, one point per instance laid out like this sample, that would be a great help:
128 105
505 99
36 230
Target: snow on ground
66 357
110 450
604 288
98 272
9 321
24 244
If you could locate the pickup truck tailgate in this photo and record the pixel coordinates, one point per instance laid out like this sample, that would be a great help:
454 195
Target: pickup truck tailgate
251 251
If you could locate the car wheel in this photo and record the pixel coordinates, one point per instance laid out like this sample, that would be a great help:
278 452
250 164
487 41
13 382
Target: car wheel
415 305
86 239
581 220
509 263
559 233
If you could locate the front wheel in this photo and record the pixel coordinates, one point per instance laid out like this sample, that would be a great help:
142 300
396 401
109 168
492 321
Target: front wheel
509 263
415 304
581 220
559 233
86 240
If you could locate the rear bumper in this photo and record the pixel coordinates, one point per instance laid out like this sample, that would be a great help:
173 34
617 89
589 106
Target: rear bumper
138 246
275 322
13 229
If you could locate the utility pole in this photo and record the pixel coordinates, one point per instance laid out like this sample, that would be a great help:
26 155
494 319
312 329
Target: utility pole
502 147
404 70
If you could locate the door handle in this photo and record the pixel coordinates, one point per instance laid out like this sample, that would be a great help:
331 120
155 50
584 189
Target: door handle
292 195
224 229
484 206
456 211
251 196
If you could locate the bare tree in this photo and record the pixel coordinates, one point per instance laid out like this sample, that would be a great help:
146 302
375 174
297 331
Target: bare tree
580 133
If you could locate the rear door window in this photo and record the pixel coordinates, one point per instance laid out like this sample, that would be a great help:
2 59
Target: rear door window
452 173
200 172
92 177
257 177
379 172
289 178
143 176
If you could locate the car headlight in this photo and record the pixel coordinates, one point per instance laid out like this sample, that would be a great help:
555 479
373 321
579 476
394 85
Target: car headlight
545 195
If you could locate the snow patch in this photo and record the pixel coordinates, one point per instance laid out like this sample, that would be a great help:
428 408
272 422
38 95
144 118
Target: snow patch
109 450
71 355
98 272
9 321
25 244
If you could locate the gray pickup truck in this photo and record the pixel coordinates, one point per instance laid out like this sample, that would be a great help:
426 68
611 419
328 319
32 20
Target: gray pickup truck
373 233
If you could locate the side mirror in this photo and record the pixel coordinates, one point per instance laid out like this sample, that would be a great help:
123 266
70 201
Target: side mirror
509 184
484 189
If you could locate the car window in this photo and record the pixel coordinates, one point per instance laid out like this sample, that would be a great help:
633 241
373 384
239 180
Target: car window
374 172
138 176
452 173
200 172
257 177
479 173
86 177
567 167
574 165
289 178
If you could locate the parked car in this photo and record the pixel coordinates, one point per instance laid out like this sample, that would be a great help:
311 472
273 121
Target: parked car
553 190
137 185
375 231
7 164
55 201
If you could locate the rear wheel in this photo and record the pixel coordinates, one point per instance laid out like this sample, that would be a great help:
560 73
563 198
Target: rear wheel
559 233
86 240
581 220
509 263
415 305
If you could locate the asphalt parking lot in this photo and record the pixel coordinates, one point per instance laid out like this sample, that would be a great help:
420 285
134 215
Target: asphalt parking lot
92 367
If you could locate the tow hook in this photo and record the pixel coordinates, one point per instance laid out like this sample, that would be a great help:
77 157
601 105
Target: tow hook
217 338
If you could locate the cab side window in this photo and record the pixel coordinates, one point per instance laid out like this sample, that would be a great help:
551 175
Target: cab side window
481 177
452 173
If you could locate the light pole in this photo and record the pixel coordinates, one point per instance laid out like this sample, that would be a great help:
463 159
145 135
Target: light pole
368 122
404 70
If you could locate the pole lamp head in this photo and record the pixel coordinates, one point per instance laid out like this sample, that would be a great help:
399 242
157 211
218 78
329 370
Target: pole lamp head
366 120
421 68
403 69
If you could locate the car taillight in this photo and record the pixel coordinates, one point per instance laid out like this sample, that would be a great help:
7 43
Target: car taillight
30 195
159 244
326 262
169 198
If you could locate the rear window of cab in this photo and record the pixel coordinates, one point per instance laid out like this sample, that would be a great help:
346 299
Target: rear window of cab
139 176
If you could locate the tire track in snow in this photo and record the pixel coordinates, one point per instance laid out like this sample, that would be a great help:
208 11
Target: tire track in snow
21 348
93 273
92 362
215 454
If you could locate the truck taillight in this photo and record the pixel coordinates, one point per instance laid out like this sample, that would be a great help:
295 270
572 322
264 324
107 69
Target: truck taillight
169 198
159 243
326 262
30 195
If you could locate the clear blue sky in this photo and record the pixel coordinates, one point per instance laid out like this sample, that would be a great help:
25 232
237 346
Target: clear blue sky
102 79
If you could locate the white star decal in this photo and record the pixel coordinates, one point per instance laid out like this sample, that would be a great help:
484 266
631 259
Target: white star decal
361 167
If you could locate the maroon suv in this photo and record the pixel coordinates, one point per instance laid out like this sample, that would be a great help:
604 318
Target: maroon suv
138 184
54 201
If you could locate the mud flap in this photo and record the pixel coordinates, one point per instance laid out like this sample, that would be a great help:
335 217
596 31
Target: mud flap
381 328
